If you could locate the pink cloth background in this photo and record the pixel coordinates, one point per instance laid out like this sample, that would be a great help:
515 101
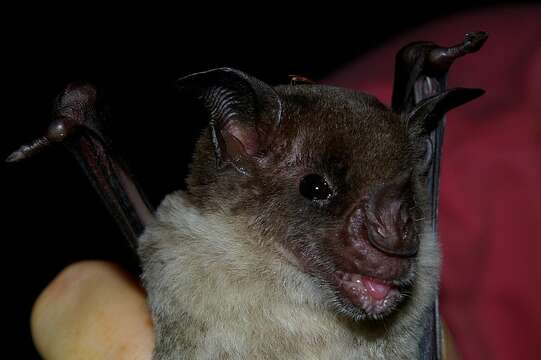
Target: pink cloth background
490 215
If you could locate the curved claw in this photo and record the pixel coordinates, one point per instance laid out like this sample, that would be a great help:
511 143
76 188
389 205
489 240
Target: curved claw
430 63
473 41
27 150
78 122
69 115
441 58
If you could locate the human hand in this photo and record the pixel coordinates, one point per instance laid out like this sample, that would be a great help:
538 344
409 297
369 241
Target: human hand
92 310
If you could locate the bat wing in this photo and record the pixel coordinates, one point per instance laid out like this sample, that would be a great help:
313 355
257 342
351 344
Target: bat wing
78 123
421 70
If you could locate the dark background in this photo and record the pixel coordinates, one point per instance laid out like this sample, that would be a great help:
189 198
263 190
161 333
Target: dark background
52 215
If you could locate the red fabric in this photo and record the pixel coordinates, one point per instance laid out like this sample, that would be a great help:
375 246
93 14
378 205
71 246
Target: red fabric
490 215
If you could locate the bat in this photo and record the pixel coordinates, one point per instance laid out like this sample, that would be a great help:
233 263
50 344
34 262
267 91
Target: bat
308 227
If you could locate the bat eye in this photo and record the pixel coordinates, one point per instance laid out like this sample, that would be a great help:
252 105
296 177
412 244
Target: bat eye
314 187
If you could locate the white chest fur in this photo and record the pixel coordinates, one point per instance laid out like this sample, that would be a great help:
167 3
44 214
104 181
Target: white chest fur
217 294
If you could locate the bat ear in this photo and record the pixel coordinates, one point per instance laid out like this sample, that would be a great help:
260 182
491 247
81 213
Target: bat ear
243 111
426 115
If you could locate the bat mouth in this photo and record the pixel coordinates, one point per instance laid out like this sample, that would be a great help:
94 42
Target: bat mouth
357 289
367 296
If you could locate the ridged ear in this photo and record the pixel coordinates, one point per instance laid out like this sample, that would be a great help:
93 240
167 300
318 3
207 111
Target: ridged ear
427 113
243 111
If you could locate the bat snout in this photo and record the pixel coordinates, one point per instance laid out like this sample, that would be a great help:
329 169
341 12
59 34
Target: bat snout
382 245
388 215
377 252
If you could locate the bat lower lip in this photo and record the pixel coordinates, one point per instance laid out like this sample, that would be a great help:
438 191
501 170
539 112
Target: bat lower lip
374 296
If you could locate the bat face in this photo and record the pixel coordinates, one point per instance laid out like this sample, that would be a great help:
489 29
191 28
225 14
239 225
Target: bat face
342 179
335 185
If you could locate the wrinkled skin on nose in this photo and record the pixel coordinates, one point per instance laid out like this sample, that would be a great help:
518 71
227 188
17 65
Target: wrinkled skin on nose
389 219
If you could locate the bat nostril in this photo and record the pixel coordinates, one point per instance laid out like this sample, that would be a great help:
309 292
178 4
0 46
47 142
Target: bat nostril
402 243
392 231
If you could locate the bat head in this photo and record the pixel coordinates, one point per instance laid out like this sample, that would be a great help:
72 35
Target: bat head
331 175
